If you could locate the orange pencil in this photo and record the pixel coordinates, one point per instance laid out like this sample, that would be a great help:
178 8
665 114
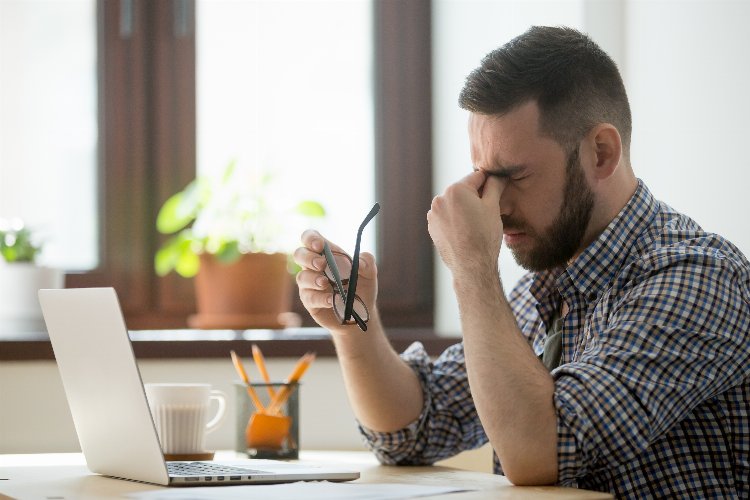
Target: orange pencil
260 362
243 375
299 369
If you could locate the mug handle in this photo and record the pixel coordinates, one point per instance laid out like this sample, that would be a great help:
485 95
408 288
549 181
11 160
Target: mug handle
221 398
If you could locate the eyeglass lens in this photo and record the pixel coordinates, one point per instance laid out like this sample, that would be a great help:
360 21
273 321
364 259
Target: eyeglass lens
359 310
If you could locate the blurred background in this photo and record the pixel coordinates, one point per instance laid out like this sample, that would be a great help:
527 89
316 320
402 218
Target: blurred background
107 107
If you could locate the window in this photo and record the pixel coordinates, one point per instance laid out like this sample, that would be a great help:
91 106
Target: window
286 87
149 149
48 129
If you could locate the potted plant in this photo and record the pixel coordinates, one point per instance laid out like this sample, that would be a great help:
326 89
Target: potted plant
21 278
228 232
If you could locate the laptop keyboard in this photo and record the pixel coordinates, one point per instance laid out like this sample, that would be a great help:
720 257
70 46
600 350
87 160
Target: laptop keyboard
184 469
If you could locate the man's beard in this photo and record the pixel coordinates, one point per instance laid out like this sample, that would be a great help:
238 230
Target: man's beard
558 244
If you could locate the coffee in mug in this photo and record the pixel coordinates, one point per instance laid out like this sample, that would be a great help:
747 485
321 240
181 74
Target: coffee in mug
181 415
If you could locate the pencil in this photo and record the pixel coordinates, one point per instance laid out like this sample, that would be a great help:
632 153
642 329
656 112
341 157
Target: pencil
260 362
243 375
299 369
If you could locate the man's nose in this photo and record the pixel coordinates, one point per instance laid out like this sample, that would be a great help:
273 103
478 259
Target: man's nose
506 206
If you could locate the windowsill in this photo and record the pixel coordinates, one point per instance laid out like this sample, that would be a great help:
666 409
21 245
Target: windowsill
173 344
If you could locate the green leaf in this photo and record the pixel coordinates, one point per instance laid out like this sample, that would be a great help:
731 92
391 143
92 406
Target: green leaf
9 254
230 252
163 263
188 264
168 220
311 209
293 267
177 254
180 209
167 256
228 172
17 245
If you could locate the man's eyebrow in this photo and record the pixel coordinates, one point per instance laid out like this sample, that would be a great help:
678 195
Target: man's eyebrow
504 172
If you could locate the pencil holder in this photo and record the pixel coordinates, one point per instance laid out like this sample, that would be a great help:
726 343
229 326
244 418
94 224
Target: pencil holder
273 433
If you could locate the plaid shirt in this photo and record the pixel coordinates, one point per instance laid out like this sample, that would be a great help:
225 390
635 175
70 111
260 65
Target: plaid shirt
653 390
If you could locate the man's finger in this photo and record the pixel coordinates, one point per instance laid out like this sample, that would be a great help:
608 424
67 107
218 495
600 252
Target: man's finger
493 189
313 240
309 259
312 280
367 267
475 179
313 299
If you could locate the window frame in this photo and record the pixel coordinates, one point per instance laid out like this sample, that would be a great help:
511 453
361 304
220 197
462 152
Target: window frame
147 151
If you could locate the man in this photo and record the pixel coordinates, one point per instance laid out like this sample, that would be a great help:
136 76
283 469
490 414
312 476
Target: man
641 316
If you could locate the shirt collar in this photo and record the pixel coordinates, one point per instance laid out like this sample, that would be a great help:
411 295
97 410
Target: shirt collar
593 270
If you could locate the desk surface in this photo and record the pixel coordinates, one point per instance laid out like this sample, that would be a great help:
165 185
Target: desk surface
65 476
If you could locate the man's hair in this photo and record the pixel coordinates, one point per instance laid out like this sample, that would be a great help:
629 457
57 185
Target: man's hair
574 82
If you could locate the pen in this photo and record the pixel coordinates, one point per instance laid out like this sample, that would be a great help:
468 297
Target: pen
243 375
299 369
260 362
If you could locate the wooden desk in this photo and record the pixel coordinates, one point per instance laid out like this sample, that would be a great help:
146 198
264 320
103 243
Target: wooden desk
65 476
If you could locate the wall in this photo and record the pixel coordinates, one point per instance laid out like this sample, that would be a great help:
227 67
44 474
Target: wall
687 76
34 415
688 79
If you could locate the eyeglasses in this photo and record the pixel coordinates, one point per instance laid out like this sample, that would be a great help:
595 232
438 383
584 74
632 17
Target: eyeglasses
347 305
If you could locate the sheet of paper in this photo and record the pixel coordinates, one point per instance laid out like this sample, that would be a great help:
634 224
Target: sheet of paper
302 490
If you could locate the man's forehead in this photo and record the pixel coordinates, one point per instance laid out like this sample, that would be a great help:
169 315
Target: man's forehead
506 145
512 131
498 149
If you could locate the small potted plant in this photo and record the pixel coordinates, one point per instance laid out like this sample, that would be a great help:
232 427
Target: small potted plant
21 277
228 232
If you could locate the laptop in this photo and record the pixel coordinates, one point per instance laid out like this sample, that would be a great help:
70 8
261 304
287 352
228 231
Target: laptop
109 407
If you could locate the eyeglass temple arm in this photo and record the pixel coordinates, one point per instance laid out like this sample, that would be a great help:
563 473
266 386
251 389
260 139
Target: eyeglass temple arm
331 261
349 309
358 319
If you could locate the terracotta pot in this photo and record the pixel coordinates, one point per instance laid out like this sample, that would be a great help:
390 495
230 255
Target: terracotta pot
253 292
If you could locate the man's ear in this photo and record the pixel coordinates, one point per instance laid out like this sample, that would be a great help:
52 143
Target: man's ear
606 145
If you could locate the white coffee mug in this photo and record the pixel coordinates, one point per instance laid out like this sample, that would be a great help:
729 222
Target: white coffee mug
180 413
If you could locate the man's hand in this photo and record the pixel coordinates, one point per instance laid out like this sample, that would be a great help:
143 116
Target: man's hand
384 391
465 224
316 292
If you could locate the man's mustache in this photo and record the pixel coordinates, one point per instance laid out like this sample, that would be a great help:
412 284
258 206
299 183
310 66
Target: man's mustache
510 224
